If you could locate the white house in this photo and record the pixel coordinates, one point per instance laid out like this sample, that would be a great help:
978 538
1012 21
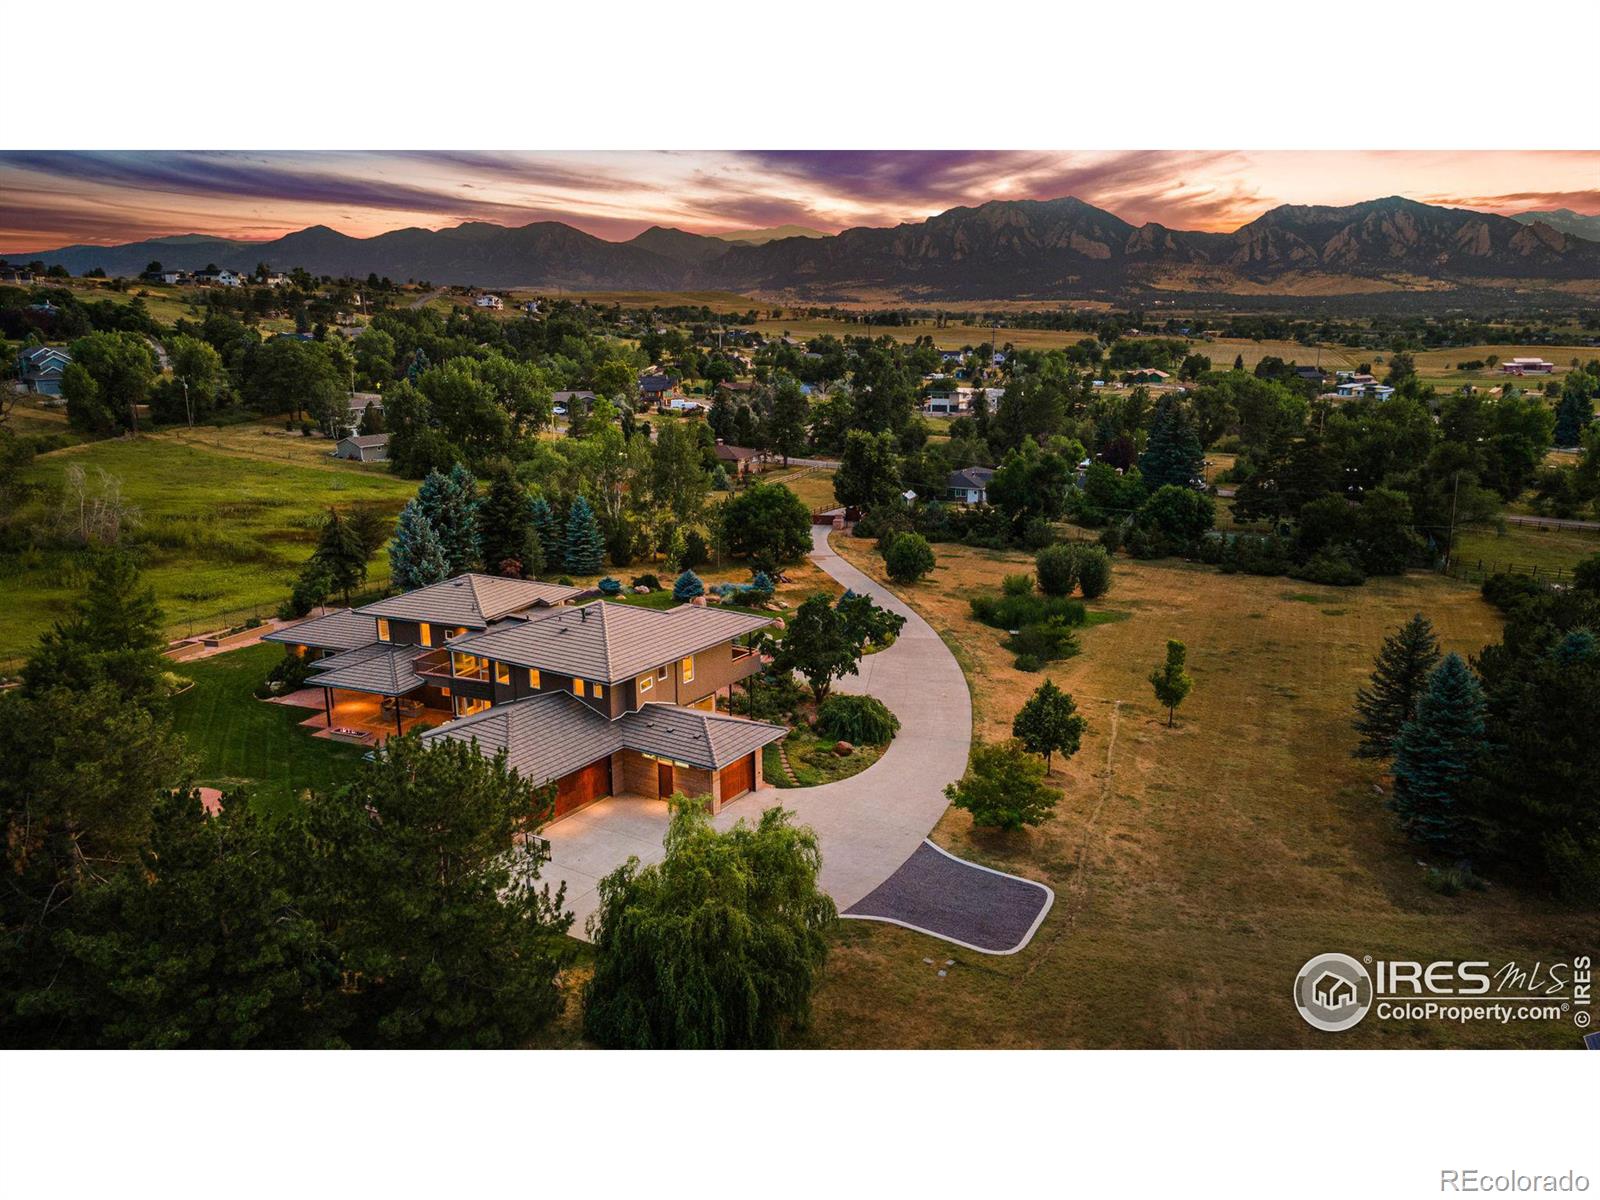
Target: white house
1526 366
970 485
222 278
488 301
1354 387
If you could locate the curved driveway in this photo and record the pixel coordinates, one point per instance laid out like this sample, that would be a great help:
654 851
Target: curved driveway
868 825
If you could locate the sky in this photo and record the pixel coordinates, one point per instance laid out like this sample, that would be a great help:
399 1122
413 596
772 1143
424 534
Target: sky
53 198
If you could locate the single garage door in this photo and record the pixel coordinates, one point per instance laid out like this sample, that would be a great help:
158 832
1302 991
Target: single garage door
583 785
738 778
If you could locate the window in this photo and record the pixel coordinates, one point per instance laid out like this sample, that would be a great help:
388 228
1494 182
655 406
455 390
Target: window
577 687
599 691
383 629
502 672
533 678
426 633
688 669
645 684
661 674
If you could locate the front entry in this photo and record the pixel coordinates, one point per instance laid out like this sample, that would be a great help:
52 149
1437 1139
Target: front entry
664 780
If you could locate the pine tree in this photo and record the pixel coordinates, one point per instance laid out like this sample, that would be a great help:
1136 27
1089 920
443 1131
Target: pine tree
1172 453
505 524
450 503
1434 754
416 557
585 548
342 554
1399 675
551 539
1573 415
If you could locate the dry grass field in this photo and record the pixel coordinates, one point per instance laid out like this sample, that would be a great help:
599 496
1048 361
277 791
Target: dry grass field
1195 868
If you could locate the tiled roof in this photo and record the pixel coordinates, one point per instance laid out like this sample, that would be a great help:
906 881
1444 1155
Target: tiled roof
544 736
387 673
367 441
694 736
609 642
971 477
553 734
349 658
470 600
342 629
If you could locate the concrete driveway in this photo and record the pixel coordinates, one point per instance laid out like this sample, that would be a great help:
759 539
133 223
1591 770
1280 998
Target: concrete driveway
868 825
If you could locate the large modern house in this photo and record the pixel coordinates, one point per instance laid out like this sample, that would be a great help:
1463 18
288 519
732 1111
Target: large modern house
40 369
600 698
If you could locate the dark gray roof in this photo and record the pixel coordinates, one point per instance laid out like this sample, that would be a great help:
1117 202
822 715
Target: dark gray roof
361 401
655 383
386 673
470 600
971 477
349 658
544 736
552 734
609 642
342 629
694 736
367 441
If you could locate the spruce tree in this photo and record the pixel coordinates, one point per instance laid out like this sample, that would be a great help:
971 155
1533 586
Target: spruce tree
505 525
342 554
552 541
1172 452
450 503
1434 755
1573 415
585 548
1399 675
416 557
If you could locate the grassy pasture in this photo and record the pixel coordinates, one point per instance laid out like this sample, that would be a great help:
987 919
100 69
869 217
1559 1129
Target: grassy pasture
1196 868
226 529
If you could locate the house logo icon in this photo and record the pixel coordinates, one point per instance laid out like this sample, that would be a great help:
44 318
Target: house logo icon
1333 992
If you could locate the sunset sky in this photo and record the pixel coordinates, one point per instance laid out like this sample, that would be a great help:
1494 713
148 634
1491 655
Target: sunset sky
49 199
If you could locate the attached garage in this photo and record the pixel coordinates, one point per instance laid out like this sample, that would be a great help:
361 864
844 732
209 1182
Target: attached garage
737 778
583 785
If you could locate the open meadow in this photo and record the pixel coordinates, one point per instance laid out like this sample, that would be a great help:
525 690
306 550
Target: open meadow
1195 868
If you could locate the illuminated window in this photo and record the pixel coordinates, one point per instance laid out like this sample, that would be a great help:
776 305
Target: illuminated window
427 633
533 677
577 687
599 691
646 683
383 629
502 672
688 669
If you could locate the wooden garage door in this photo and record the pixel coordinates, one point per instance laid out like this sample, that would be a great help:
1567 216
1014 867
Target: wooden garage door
738 778
583 785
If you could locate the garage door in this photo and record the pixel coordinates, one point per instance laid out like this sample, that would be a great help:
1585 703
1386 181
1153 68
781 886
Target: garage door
582 786
738 778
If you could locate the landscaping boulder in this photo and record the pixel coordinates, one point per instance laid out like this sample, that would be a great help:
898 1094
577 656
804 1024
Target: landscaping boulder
843 749
641 590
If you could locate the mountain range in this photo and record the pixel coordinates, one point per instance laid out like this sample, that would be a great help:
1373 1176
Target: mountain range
1020 249
1565 220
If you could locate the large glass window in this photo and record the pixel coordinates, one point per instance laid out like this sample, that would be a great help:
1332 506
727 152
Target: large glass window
502 672
688 669
383 629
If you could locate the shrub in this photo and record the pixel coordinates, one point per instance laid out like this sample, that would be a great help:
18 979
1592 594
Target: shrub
696 553
610 586
1029 662
860 719
1047 641
909 558
687 586
1335 566
1505 591
646 580
1003 787
1037 534
760 588
1058 570
1017 585
1094 571
1013 612
1111 538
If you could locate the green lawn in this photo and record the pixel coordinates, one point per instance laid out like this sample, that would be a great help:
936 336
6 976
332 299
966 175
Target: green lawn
1523 548
814 761
223 533
239 740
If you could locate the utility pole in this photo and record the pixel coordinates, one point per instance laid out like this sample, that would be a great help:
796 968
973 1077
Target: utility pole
187 407
1450 544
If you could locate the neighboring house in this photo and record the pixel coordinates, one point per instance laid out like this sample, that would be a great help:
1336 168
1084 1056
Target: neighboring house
531 307
1314 375
1147 375
16 275
487 301
369 447
1527 366
360 402
654 388
164 276
682 404
1364 385
223 278
739 460
40 369
947 405
562 402
970 485
598 698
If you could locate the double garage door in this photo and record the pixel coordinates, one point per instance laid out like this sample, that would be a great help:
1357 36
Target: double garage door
738 778
583 785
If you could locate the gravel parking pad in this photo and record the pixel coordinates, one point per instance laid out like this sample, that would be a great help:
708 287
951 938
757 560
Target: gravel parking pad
936 893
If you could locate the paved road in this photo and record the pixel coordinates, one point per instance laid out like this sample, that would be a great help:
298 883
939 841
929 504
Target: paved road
425 297
868 824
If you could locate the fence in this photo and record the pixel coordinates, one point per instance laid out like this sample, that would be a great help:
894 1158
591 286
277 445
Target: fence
1477 570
